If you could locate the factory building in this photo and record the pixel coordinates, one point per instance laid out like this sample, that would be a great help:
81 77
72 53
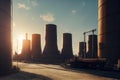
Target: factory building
5 37
67 52
92 46
36 47
108 30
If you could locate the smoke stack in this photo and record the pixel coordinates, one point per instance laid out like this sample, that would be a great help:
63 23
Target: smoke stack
36 46
67 52
25 55
26 35
51 50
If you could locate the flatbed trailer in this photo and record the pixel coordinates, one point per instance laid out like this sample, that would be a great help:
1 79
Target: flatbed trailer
94 63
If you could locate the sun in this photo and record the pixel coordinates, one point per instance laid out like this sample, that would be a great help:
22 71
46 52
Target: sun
21 37
19 51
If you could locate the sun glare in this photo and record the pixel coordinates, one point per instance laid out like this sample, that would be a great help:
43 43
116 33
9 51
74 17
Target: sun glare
19 43
19 51
20 37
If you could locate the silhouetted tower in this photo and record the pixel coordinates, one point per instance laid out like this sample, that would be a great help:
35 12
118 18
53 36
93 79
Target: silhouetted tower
92 46
108 30
67 52
36 46
51 50
81 49
5 36
26 49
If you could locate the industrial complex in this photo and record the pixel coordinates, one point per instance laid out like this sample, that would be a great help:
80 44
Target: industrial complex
101 50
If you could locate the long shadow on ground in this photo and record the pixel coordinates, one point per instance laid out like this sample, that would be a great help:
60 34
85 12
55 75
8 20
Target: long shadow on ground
24 76
102 73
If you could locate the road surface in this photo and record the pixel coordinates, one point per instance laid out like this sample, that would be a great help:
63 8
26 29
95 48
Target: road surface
52 72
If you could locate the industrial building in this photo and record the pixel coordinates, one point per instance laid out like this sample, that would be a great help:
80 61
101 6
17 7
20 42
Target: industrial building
108 30
92 47
67 52
51 52
36 47
25 54
82 49
5 37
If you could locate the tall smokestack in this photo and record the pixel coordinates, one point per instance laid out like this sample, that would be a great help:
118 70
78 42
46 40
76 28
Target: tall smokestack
5 36
26 35
51 50
36 46
25 55
108 27
67 52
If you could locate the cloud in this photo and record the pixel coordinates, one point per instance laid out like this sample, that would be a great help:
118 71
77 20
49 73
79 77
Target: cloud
74 11
47 17
83 4
23 6
33 18
34 3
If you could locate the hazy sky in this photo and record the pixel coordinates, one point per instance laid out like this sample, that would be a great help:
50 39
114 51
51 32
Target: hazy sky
71 16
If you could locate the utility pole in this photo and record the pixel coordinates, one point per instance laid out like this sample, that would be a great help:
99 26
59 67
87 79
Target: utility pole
84 45
17 53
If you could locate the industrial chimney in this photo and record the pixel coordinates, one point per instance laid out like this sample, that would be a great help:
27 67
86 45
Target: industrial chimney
67 52
50 51
36 46
25 55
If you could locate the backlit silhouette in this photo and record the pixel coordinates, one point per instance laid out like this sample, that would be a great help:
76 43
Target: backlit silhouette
5 37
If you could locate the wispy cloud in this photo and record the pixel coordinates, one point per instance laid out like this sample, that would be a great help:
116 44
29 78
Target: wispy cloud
33 18
23 6
83 4
47 17
33 2
74 11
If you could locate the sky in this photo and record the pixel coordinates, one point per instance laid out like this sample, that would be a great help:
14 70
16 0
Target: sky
70 16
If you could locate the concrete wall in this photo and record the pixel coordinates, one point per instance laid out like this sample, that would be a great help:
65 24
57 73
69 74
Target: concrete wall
5 36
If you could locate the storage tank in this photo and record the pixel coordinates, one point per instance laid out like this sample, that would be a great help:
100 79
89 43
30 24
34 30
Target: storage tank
5 36
108 30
